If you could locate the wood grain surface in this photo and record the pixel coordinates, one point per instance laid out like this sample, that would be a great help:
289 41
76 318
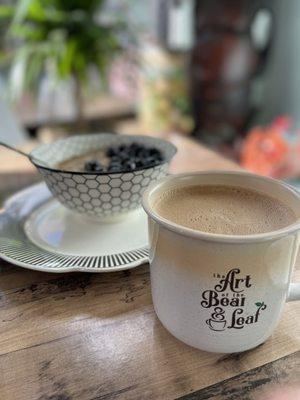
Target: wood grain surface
96 336
256 383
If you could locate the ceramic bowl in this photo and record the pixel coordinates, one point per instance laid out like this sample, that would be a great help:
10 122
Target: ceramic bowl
102 194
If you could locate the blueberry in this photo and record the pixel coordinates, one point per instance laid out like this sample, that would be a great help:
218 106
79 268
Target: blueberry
129 157
93 166
146 153
115 160
149 161
114 168
139 151
154 152
139 163
129 165
134 149
110 152
155 160
115 164
127 160
134 146
124 156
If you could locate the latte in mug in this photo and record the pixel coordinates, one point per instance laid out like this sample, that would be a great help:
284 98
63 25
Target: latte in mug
224 210
222 248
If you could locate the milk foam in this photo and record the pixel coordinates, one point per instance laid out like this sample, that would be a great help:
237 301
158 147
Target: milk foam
224 210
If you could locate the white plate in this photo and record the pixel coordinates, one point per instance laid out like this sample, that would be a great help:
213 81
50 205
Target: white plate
36 232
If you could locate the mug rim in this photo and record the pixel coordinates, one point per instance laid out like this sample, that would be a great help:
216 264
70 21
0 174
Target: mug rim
217 237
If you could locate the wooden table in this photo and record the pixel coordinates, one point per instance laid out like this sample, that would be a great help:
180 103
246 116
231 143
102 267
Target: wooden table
96 336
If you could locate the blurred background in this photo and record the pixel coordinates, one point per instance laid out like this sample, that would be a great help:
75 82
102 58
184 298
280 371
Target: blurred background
225 72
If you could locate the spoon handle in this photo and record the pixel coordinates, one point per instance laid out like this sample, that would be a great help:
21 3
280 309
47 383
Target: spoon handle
14 149
31 158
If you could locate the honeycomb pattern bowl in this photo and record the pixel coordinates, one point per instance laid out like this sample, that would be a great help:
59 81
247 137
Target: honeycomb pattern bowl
103 194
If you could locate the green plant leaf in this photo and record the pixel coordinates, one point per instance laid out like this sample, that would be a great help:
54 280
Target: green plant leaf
6 13
68 34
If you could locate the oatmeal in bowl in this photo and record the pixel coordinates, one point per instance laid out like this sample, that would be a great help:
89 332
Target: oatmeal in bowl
102 175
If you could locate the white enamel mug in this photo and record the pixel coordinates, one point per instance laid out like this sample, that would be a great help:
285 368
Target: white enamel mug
221 293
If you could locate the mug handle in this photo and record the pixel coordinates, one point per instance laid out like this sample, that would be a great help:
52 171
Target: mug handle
294 288
294 292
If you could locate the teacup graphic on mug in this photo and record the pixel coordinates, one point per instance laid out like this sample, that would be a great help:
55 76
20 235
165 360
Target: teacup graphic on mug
217 321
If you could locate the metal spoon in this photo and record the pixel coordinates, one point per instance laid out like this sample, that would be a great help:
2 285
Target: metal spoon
29 156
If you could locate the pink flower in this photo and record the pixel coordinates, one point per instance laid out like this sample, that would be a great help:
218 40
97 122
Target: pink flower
264 150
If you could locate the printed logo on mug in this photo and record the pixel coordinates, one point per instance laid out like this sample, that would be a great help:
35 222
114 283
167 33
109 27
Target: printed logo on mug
222 249
227 300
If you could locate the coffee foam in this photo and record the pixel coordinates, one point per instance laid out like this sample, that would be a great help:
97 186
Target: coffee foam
224 210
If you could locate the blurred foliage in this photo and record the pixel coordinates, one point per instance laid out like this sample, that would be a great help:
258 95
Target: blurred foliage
65 36
5 17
